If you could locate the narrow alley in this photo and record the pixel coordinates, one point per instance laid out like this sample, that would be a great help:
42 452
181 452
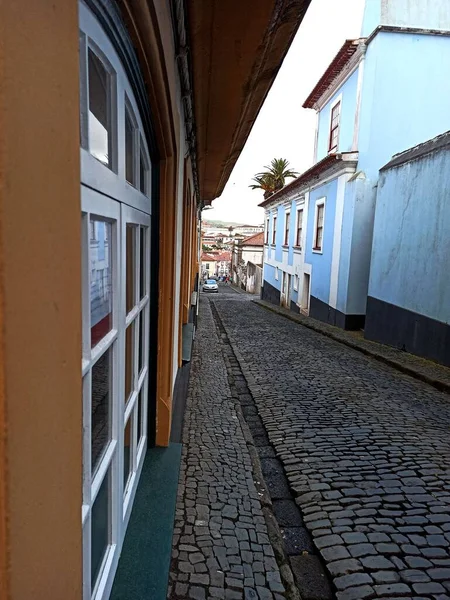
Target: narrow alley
363 449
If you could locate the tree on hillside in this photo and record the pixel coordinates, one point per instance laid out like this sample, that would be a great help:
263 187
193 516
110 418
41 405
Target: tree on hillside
274 177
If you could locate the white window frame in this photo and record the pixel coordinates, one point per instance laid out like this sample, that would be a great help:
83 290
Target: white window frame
299 208
266 241
332 105
295 283
107 195
287 230
93 173
274 228
319 202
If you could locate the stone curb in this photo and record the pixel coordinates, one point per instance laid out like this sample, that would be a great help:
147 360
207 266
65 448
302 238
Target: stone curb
439 384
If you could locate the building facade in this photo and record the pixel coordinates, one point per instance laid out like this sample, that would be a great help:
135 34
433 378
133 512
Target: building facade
248 250
109 165
318 229
408 304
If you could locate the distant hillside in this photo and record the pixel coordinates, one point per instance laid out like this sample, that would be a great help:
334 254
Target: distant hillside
216 223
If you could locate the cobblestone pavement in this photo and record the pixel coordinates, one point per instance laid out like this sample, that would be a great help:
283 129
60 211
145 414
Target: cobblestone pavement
221 547
366 450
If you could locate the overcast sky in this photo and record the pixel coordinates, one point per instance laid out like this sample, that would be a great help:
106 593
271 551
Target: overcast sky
283 128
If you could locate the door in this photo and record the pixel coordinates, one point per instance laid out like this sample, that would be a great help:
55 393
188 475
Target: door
135 254
116 305
305 294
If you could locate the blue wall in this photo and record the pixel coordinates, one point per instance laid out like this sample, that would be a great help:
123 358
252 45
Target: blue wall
372 17
411 245
321 263
347 124
269 276
399 108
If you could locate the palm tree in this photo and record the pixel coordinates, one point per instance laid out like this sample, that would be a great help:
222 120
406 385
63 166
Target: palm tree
264 181
274 176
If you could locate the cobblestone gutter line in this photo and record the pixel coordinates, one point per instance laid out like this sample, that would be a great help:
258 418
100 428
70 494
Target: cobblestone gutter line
221 545
432 373
289 537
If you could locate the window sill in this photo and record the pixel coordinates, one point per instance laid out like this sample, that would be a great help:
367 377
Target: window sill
298 249
285 246
317 250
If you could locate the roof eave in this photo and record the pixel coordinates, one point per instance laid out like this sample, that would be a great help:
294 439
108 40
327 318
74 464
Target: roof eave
234 63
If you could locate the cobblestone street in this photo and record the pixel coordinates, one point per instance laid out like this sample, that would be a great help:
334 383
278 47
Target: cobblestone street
366 452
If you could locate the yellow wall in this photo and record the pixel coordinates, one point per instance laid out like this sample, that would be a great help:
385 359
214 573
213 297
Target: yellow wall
40 306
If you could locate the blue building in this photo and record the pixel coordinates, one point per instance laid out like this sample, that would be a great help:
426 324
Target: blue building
382 93
409 289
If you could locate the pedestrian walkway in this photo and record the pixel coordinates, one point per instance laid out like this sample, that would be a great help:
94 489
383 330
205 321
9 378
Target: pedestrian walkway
366 450
221 545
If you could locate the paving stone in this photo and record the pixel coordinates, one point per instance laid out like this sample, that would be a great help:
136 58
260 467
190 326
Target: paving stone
352 580
356 593
364 448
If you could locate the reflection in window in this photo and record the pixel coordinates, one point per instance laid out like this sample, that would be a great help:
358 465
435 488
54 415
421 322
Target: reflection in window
143 291
99 109
129 371
101 282
127 453
130 171
101 408
141 342
140 430
143 172
131 262
100 528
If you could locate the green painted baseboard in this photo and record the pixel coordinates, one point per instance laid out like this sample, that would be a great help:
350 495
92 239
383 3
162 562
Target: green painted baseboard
143 570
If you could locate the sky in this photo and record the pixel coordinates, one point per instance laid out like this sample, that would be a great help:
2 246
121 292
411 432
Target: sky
283 128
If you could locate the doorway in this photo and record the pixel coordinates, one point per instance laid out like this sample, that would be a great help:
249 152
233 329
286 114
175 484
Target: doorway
304 308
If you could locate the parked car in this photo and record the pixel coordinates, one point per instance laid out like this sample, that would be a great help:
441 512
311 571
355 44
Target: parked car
210 285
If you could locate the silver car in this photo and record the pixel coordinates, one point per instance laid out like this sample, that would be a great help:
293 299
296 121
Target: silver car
210 285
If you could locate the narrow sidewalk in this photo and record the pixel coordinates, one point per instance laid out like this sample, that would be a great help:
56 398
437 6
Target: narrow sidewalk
221 545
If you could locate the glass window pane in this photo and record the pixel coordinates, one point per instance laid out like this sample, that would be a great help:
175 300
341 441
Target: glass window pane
131 265
101 408
99 109
143 173
129 351
141 413
127 453
100 523
101 282
129 149
141 341
143 265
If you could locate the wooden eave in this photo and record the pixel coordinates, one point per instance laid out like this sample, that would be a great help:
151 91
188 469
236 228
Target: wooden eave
236 50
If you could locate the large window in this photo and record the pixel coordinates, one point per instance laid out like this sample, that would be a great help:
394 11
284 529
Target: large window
116 217
287 222
274 230
318 225
267 231
298 235
334 127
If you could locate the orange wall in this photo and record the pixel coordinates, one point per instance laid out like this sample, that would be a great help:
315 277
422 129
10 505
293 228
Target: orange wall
40 307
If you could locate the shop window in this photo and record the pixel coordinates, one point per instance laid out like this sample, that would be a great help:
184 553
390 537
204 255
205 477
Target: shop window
99 98
130 146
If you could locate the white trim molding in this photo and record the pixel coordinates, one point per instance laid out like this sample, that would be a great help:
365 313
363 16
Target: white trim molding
338 100
358 104
335 259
